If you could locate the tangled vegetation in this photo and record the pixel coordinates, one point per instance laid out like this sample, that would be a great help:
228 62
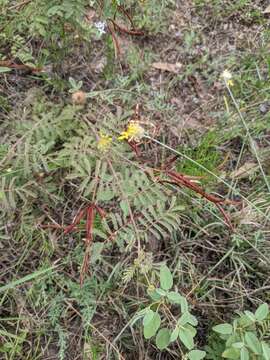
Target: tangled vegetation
134 179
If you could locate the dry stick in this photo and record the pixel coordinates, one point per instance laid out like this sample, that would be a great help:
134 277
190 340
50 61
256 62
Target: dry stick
124 30
88 242
20 5
117 50
124 11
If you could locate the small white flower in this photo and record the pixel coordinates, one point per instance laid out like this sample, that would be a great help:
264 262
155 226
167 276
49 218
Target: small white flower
226 75
100 26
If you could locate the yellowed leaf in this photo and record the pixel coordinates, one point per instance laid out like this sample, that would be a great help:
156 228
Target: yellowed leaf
174 68
244 171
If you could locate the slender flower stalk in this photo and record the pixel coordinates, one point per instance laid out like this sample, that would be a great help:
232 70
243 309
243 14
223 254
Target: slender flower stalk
251 141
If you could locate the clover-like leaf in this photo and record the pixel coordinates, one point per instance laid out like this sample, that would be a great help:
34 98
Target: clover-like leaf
166 279
148 317
186 336
174 334
163 338
253 342
196 355
244 354
262 312
231 353
224 329
266 350
152 326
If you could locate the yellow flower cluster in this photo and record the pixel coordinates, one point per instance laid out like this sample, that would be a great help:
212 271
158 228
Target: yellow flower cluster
104 142
133 132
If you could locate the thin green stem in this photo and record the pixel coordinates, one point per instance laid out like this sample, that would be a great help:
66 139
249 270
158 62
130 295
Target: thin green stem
252 145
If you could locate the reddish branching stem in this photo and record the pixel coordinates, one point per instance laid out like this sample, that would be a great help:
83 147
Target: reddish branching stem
183 180
89 212
10 64
123 30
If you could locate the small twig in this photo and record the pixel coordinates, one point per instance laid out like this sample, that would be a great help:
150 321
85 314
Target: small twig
20 5
10 64
117 50
122 29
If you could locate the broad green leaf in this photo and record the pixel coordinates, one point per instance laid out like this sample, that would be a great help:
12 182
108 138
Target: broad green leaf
250 315
232 339
231 353
183 304
192 330
224 329
196 355
244 354
262 312
187 318
186 337
174 334
153 294
148 317
253 342
106 195
174 297
161 292
163 338
266 350
166 279
152 326
139 315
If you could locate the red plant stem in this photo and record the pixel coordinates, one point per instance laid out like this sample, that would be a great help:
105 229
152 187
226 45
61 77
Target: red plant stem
101 212
179 178
124 11
10 64
170 161
89 223
126 31
76 221
117 50
134 147
226 216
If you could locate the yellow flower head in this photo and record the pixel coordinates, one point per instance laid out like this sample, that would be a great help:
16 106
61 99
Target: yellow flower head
104 142
227 77
133 132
